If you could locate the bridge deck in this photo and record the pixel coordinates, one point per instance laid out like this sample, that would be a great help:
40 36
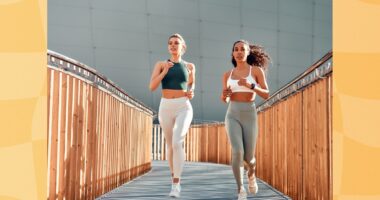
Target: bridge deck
199 181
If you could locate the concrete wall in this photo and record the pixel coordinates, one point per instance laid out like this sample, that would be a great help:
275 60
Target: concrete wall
122 39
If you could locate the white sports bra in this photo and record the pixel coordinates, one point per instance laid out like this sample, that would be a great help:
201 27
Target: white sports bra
233 84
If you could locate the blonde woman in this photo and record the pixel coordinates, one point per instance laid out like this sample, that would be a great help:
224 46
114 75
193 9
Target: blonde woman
177 78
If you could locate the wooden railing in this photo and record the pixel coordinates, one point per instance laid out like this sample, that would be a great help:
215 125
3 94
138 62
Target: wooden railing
294 143
98 136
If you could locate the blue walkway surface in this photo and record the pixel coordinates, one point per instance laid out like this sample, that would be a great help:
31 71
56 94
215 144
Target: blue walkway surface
206 181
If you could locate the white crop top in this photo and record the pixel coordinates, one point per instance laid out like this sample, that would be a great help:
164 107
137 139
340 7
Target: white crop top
233 84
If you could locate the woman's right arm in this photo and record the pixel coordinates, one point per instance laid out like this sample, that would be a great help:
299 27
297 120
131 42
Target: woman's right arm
156 77
159 72
226 90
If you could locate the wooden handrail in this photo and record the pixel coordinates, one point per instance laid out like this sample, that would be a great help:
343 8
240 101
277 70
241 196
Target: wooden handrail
318 70
88 74
99 137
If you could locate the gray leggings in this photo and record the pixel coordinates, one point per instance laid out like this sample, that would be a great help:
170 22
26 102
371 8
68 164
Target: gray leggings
241 125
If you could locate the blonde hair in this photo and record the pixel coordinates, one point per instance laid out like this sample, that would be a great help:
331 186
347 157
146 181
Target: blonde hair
177 35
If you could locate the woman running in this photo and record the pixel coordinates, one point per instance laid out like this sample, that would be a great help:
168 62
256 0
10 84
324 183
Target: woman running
177 78
240 86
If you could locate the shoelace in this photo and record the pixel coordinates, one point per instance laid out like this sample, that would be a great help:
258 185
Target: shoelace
176 187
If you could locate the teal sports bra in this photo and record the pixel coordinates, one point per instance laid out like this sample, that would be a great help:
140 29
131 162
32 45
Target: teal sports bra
176 78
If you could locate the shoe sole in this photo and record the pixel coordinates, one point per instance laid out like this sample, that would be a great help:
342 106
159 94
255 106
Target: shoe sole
174 196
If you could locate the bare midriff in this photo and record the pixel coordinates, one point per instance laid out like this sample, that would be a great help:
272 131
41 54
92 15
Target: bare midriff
173 94
242 96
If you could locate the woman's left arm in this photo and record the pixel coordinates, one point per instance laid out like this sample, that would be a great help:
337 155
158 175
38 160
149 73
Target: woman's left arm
261 88
191 83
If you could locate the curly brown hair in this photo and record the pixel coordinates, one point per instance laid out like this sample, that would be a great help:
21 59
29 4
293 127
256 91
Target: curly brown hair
257 56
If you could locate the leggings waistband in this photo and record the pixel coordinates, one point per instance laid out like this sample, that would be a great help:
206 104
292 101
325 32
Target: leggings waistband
241 106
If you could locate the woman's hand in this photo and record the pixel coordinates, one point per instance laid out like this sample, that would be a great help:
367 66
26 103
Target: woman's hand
166 66
243 82
190 94
226 93
160 70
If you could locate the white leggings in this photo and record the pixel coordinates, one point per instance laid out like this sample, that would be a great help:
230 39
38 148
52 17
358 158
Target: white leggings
175 116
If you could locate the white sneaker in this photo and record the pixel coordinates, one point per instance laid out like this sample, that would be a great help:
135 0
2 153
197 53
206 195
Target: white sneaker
252 185
242 194
176 189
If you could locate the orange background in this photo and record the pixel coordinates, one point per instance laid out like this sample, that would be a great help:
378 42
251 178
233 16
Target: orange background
356 105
